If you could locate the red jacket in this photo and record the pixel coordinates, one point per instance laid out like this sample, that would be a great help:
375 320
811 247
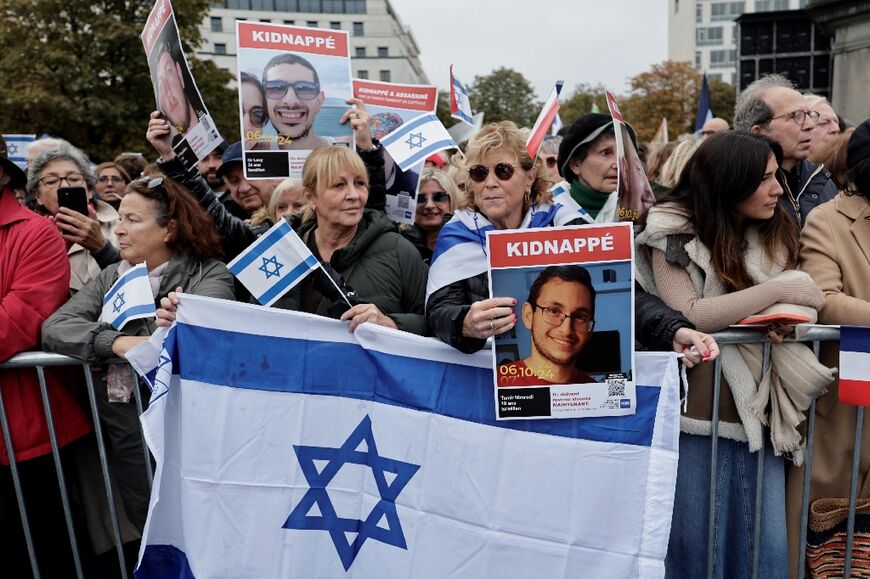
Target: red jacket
34 281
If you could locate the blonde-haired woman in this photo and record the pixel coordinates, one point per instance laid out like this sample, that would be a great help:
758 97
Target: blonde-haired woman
436 200
287 201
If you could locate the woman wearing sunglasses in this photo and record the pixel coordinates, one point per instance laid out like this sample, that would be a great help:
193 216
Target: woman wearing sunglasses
547 162
111 182
162 226
254 115
435 205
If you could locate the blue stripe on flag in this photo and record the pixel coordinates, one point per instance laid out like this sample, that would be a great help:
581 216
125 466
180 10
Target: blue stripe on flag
330 369
264 244
134 311
288 280
455 233
425 152
405 129
854 339
541 219
164 561
130 275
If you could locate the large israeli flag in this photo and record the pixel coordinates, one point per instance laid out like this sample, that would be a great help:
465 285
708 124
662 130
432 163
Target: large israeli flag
273 264
288 447
416 139
129 298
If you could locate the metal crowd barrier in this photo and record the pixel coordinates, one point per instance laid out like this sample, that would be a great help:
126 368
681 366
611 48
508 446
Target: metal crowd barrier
40 360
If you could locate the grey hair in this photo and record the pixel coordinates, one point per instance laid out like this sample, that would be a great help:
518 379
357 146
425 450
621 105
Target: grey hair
751 108
551 145
64 152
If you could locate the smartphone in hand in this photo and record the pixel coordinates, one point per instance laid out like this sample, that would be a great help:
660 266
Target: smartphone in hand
74 198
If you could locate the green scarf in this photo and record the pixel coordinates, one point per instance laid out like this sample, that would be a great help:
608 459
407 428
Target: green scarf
588 198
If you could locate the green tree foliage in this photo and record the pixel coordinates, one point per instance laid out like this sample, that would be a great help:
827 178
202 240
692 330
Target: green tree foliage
77 70
442 109
722 97
504 94
580 102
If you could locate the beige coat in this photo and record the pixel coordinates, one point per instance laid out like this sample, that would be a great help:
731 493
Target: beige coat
83 267
835 251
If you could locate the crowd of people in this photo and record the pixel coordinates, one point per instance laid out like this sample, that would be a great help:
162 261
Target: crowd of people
768 216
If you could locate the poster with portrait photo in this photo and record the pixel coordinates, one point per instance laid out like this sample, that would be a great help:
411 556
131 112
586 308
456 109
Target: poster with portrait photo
571 352
634 193
294 83
194 133
390 106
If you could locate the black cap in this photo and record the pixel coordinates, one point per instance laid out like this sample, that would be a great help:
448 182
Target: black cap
858 148
18 179
233 154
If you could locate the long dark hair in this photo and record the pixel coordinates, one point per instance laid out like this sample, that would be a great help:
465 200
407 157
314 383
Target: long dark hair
726 169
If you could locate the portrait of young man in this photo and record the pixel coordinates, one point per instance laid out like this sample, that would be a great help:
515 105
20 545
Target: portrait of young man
293 100
173 83
560 315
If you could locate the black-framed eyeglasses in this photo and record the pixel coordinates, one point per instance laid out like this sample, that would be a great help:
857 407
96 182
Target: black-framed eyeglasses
110 179
305 90
73 180
437 197
799 116
554 316
504 171
258 116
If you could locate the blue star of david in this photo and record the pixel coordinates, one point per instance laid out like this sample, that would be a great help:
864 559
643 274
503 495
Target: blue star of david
328 520
12 150
276 271
415 140
118 303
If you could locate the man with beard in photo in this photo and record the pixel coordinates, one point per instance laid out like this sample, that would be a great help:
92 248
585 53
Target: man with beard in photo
293 100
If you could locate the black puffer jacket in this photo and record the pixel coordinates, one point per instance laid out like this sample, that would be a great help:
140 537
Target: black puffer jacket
807 186
380 265
655 323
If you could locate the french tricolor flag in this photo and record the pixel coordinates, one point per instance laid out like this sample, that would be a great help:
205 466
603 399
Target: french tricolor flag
545 119
855 365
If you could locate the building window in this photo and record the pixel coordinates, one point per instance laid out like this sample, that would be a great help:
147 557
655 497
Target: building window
726 10
311 24
802 4
220 48
780 4
238 4
358 29
263 5
723 58
714 76
355 6
383 52
385 76
364 74
266 20
217 24
309 6
699 13
335 25
290 22
708 35
698 59
360 52
286 5
333 6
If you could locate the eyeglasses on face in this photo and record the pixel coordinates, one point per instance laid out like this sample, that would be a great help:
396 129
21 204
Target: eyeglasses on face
72 179
258 116
104 179
799 116
551 161
437 197
554 316
504 171
305 90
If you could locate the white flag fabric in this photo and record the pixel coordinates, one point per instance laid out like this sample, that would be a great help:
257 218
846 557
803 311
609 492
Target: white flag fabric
129 298
415 140
460 105
545 119
288 447
273 264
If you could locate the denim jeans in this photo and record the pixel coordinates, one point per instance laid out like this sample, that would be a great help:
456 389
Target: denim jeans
736 471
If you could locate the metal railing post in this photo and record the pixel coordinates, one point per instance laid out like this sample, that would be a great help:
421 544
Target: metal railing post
714 448
853 493
137 395
759 482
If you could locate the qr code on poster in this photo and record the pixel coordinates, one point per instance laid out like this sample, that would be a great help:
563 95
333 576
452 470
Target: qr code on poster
615 388
403 201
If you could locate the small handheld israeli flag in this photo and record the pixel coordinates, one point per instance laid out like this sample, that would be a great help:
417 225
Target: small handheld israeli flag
460 106
18 148
129 298
273 264
415 140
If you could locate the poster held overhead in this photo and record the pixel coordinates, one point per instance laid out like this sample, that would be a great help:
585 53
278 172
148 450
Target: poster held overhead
194 134
634 193
390 106
294 83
